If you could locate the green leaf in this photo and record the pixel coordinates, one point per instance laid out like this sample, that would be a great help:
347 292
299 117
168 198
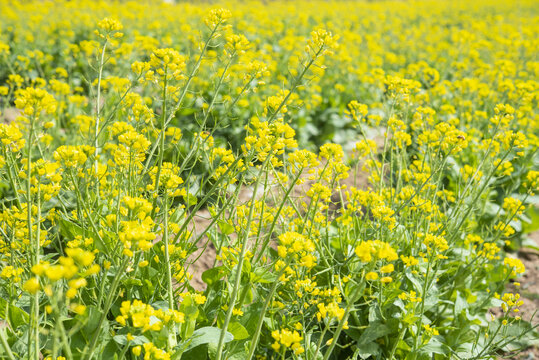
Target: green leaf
192 200
211 276
375 331
137 340
110 350
225 227
368 350
232 354
460 304
238 331
354 291
263 276
148 288
523 333
335 243
533 224
191 314
207 335
434 346
93 320
418 287
530 243
72 230
12 314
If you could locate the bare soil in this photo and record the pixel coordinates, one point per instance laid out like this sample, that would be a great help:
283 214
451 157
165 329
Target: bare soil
205 259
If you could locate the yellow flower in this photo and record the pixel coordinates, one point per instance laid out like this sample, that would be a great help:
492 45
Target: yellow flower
33 101
513 206
217 17
430 331
290 339
11 137
137 350
322 42
237 43
72 156
516 265
108 27
78 309
363 251
371 276
31 285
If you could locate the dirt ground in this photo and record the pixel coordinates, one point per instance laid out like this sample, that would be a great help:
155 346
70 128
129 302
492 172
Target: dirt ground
205 259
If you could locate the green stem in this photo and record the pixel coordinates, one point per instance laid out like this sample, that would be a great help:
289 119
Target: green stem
33 334
422 308
5 344
276 217
319 343
239 266
170 291
269 298
97 116
343 321
65 342
111 295
161 142
182 95
12 180
490 342
399 338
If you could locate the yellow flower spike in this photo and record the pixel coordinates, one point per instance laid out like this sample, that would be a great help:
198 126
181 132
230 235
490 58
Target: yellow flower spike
515 264
71 293
322 41
237 43
363 251
55 272
199 299
32 285
137 350
370 276
33 101
78 309
109 28
217 17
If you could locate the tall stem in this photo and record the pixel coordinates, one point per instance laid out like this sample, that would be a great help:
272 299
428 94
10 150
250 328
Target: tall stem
5 344
170 291
269 298
111 295
33 334
343 321
239 266
161 141
97 118
182 95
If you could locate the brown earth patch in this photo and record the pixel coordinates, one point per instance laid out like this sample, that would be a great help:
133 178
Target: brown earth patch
204 258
